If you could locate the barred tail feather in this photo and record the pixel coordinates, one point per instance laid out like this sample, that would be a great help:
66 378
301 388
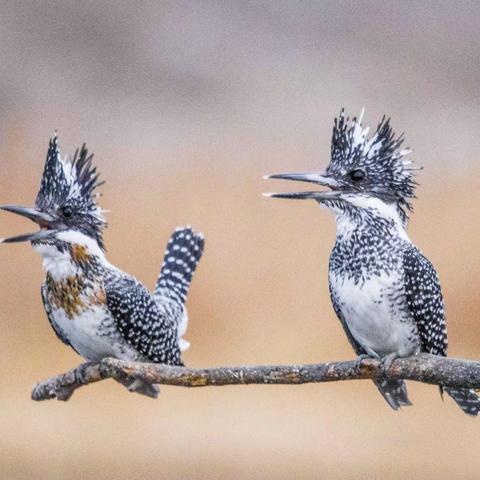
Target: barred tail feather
394 392
466 399
184 251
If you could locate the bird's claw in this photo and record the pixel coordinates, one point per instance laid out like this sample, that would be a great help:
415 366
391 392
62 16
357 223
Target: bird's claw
136 384
387 362
359 360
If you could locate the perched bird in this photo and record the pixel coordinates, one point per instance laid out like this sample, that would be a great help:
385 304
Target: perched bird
384 291
92 305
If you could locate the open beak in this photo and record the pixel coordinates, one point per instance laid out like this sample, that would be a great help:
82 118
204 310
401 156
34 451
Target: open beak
320 179
44 220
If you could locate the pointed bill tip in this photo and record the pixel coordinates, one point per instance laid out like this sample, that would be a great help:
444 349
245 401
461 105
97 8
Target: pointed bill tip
285 176
17 209
29 237
300 195
5 240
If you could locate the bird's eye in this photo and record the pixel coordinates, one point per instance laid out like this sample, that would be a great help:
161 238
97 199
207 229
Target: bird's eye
67 211
357 175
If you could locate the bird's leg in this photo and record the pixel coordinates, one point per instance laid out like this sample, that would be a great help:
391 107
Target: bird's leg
363 356
387 361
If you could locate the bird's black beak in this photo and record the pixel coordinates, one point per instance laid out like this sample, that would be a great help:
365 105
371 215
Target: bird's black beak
321 179
44 220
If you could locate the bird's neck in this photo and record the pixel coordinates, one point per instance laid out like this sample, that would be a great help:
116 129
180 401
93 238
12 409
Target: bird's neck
72 255
367 243
371 217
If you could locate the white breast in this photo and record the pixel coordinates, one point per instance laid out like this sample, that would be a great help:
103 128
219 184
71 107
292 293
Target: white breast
93 334
91 330
58 264
375 315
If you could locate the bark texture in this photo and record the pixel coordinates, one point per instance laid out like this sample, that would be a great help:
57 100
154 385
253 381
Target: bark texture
422 368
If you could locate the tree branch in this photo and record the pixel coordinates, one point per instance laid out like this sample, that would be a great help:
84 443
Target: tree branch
422 368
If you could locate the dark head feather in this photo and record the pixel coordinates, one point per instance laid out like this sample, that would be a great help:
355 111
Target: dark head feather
389 174
72 183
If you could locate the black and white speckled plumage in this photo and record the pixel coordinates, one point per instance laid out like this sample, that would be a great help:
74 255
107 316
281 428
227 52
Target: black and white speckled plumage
182 255
140 321
366 284
425 302
390 174
384 291
184 251
93 306
72 183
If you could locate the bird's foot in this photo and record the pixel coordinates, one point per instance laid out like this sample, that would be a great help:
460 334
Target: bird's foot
136 384
360 359
387 361
139 385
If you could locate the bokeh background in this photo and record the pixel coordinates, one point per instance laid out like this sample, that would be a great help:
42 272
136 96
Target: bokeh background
186 105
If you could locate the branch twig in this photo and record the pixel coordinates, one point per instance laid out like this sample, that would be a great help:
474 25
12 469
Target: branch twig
422 368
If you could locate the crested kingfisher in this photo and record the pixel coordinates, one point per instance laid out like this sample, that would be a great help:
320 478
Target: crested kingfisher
93 306
385 292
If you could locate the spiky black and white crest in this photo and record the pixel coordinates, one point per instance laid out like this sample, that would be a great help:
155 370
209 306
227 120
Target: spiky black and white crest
70 182
381 156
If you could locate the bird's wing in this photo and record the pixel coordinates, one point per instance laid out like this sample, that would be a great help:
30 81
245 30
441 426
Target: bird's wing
425 301
48 310
140 321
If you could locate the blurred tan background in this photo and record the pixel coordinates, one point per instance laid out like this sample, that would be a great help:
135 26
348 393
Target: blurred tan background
187 105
